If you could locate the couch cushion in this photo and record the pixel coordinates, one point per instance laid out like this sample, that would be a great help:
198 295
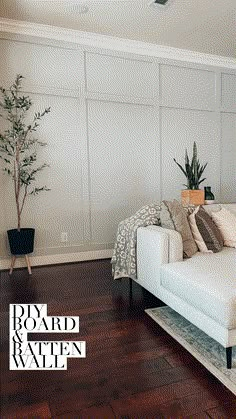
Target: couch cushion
208 282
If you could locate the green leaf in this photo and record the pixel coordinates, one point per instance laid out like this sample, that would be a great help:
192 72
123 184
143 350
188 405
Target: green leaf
186 157
202 170
181 168
37 190
201 180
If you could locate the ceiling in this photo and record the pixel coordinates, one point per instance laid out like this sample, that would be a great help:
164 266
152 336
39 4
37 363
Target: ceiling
207 26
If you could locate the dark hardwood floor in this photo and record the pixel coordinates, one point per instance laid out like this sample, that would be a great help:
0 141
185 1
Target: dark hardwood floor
133 369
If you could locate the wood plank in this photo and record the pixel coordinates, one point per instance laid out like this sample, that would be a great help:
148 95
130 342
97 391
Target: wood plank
224 411
40 410
183 357
181 398
93 412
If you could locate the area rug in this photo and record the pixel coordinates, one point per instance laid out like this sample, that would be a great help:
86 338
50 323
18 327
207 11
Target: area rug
205 349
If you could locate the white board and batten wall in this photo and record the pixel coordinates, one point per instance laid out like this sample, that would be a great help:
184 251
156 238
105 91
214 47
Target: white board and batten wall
117 120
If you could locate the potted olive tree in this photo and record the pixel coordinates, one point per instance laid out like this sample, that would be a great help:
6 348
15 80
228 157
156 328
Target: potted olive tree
193 172
18 151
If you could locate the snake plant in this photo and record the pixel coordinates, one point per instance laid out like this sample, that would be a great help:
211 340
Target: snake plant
193 172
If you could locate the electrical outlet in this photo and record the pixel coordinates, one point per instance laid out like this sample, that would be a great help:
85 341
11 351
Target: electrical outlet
64 237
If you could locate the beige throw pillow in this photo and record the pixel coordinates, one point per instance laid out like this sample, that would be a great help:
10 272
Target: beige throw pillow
226 222
165 217
173 216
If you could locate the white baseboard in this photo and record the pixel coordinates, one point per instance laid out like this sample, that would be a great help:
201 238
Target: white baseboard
59 258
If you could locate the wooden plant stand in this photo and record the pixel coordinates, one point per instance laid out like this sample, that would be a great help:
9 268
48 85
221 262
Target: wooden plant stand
13 260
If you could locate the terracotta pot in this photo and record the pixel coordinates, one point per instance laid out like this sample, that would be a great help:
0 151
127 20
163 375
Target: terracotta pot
192 197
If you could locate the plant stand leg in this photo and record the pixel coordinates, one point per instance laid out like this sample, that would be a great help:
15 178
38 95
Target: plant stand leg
28 264
13 259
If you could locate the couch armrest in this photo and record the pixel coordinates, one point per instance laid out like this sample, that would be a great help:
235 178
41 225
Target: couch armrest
175 249
156 246
152 252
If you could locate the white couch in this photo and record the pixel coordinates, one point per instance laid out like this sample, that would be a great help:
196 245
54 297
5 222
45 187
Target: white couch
202 289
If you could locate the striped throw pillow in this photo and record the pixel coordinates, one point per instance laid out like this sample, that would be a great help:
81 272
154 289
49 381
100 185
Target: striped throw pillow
209 231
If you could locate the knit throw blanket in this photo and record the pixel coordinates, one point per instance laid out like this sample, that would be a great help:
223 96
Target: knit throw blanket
124 253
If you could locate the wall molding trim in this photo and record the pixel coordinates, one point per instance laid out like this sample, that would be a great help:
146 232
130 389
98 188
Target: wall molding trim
59 258
72 36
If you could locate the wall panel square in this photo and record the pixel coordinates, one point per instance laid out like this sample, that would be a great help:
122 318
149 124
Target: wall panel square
179 129
187 87
228 99
41 65
120 76
61 208
228 158
124 164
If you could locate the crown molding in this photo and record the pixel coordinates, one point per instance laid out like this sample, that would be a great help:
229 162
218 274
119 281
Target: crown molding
22 28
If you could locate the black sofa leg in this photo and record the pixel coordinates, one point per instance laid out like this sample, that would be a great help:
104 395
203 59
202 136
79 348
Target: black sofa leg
130 291
229 357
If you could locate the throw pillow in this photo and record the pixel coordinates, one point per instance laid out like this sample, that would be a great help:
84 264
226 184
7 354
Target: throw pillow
173 216
226 222
196 233
209 231
165 217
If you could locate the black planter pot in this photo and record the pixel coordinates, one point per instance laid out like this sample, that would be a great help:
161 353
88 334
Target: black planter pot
21 242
